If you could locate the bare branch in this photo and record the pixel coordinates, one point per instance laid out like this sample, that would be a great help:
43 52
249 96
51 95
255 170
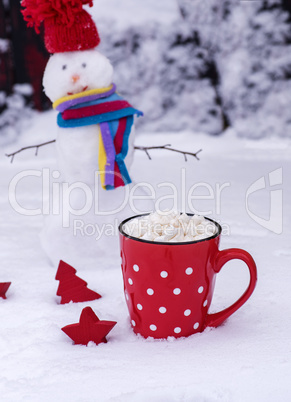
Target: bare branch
148 155
167 147
139 148
12 155
146 149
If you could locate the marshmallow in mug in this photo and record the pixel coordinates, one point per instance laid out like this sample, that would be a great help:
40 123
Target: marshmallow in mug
170 227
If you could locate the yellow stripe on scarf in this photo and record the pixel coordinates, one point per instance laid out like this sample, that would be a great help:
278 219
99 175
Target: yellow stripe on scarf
81 95
102 159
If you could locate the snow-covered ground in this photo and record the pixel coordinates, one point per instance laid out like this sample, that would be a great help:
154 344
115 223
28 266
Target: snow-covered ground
246 359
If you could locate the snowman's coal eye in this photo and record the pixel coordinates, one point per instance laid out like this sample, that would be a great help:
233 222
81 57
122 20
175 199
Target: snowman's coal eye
64 67
84 65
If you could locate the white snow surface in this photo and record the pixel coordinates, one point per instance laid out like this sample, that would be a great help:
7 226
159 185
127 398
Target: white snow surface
246 359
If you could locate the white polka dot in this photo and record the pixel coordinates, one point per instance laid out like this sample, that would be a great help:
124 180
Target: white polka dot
200 290
126 296
162 310
177 291
153 327
139 306
177 330
136 268
205 303
133 323
150 292
189 271
196 326
130 281
164 274
187 313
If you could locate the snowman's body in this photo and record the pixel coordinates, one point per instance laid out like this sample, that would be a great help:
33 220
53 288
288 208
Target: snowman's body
78 150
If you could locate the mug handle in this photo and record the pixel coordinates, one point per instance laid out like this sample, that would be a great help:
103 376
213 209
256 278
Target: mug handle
214 320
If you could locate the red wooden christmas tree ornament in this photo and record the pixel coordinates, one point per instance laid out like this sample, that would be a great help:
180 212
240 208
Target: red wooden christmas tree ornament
71 287
3 289
90 328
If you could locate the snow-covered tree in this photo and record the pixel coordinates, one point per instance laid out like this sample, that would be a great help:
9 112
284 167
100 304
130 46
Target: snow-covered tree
165 71
260 103
249 44
220 64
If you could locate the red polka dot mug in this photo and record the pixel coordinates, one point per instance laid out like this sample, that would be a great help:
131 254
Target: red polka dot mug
169 286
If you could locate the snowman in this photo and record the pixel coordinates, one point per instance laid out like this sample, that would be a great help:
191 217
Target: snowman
95 136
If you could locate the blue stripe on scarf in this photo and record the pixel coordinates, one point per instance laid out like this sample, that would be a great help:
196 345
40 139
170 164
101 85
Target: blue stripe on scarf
120 157
105 117
114 126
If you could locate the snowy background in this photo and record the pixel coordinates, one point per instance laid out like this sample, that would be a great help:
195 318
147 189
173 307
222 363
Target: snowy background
194 71
203 65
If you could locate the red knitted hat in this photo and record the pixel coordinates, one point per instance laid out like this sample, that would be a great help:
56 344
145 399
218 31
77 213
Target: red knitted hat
68 27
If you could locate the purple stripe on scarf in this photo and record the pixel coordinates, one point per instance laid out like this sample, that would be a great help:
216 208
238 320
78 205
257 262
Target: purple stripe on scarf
110 153
73 102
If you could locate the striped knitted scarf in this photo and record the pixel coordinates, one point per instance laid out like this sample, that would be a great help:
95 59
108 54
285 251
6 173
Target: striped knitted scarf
114 117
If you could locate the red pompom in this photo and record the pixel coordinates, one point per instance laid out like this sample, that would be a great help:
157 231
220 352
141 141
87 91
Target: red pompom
68 27
62 11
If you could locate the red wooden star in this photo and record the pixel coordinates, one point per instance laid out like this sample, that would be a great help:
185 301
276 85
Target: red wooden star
3 289
90 328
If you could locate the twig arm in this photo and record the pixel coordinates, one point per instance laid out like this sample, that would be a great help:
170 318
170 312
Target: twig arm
139 148
168 148
146 149
12 155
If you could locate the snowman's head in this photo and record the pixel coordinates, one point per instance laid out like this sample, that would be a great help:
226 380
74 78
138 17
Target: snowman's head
69 73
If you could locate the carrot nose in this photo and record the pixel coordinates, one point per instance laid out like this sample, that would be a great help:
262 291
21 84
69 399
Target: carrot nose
75 78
